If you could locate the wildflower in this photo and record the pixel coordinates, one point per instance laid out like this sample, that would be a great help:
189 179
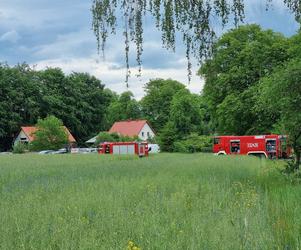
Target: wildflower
131 246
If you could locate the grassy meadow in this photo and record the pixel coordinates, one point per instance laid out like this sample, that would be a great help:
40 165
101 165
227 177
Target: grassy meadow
167 201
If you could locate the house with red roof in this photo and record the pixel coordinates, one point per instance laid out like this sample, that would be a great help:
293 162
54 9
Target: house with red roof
140 128
26 135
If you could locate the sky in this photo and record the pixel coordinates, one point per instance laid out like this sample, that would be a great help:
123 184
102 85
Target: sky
58 33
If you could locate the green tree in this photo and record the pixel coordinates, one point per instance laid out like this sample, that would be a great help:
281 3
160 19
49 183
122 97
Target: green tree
240 58
156 103
294 45
281 92
239 114
167 136
125 107
184 118
185 113
50 134
19 101
79 100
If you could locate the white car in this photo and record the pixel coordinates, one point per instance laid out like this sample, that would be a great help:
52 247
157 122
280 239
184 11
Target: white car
46 152
60 151
6 153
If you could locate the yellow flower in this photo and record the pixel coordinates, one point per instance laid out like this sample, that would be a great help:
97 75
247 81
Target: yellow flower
131 243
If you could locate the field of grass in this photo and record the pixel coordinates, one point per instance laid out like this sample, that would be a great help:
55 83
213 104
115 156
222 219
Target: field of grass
168 201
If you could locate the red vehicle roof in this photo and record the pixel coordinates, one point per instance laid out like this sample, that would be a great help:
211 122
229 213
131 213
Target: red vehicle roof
128 128
29 131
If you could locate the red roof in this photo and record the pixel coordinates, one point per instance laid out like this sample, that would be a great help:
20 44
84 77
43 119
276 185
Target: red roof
128 128
29 131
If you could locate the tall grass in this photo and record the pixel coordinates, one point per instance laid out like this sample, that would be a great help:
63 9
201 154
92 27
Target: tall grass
168 201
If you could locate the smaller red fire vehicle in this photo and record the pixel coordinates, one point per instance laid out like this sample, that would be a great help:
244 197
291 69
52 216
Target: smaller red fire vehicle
269 146
124 148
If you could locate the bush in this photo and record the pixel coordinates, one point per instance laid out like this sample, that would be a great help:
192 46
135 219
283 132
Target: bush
106 137
167 138
20 148
114 137
50 134
193 144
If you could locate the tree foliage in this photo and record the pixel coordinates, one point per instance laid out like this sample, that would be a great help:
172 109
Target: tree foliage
123 107
78 99
185 118
114 137
156 103
50 134
281 92
240 59
193 19
185 113
19 101
194 143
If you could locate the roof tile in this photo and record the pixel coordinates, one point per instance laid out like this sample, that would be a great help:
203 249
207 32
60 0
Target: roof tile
29 131
128 128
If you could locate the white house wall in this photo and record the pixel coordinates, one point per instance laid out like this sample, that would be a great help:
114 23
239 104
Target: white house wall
21 137
146 132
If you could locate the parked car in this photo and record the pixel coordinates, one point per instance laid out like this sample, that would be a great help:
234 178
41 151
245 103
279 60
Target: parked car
93 150
46 152
60 151
6 153
83 150
153 148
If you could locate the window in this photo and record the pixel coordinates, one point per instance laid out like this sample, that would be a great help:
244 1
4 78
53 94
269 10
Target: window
271 145
148 135
235 147
142 134
216 140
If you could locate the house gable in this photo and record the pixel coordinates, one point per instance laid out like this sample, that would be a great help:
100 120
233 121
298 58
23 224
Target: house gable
146 132
22 137
139 128
26 135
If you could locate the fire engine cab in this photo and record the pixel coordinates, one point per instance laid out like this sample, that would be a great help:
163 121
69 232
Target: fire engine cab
269 146
124 148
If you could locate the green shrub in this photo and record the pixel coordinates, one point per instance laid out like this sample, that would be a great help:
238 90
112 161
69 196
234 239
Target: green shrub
20 148
193 143
114 137
50 134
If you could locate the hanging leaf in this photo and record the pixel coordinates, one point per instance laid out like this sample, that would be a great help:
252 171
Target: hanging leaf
193 19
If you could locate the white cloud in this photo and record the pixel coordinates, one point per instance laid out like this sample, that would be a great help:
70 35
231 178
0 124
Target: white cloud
113 76
10 36
58 34
67 44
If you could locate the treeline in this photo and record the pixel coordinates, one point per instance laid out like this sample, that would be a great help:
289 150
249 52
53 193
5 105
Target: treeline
85 106
252 86
26 95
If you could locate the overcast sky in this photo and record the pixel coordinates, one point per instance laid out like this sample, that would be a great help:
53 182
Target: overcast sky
58 33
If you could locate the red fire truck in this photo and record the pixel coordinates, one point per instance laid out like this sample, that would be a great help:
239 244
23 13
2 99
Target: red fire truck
124 148
269 146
